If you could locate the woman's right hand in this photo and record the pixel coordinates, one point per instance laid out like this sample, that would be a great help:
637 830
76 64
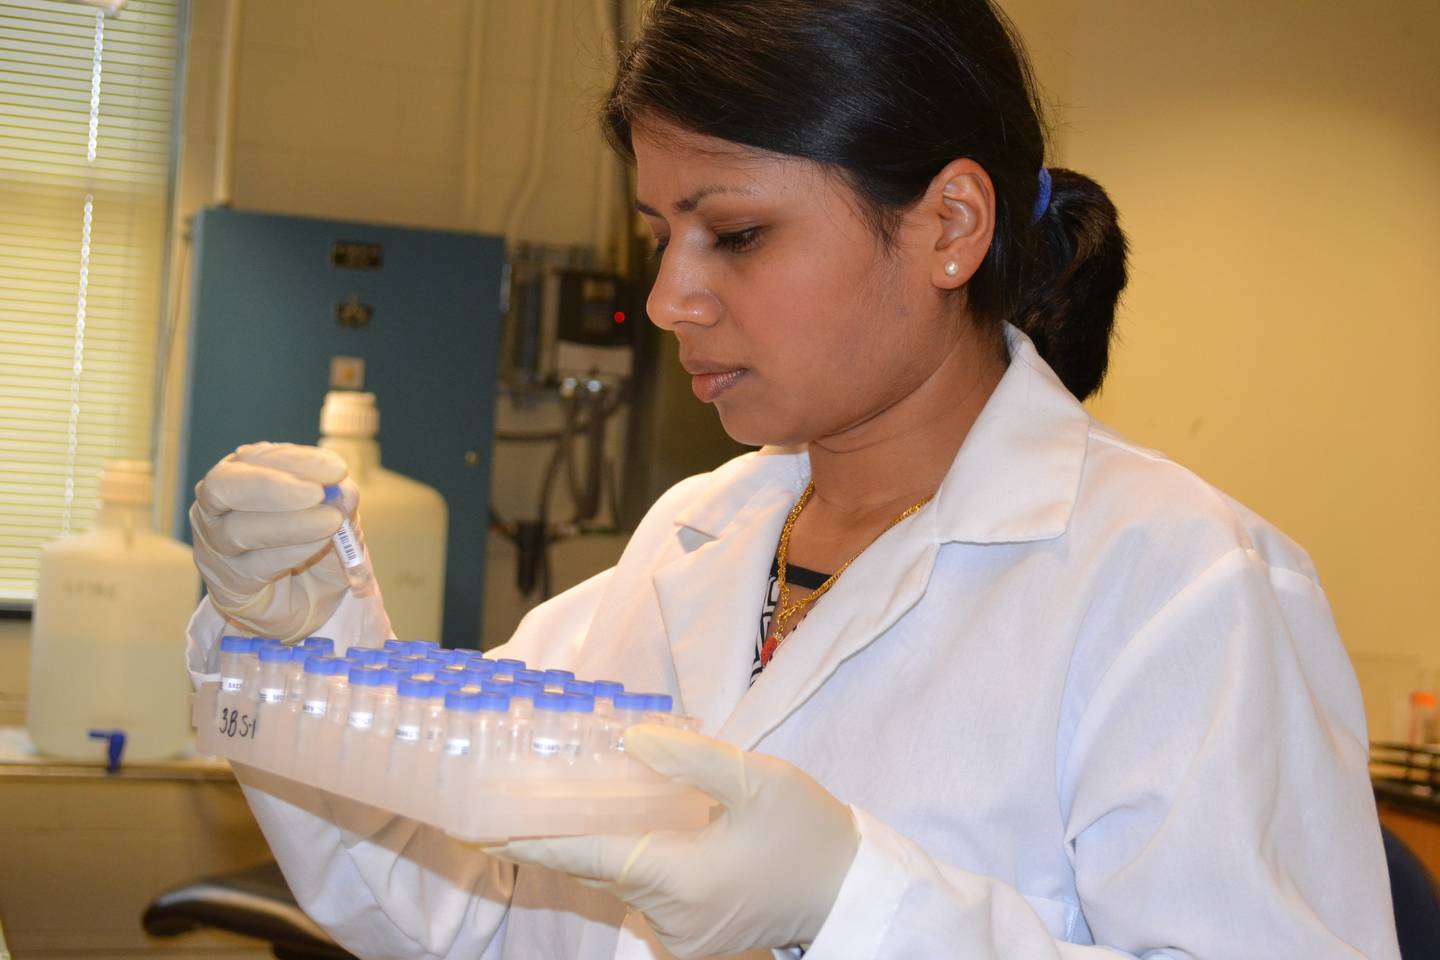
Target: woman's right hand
262 537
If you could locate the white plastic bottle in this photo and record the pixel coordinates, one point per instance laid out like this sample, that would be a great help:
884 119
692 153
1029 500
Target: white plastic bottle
107 645
404 521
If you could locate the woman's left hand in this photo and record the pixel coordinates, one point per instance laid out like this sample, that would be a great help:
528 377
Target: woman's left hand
764 874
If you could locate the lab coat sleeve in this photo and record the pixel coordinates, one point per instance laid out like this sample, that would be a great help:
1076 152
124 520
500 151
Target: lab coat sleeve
1215 795
382 885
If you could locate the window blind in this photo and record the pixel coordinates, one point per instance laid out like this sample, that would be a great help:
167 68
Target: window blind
86 113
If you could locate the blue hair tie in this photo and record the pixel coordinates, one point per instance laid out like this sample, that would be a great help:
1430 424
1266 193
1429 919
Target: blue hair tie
1042 200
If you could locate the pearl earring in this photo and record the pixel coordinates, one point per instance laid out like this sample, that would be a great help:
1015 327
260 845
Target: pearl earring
951 268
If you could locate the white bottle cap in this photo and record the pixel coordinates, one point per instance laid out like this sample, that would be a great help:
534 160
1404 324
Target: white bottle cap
349 413
126 482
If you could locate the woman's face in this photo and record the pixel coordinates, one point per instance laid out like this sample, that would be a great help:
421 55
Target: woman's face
792 318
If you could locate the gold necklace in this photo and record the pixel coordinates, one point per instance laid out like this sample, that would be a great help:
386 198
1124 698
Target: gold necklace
784 609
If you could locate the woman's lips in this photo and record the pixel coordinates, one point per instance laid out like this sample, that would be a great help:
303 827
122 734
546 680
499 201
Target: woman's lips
708 386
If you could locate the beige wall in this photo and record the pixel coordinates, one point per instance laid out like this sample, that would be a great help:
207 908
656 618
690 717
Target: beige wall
1275 168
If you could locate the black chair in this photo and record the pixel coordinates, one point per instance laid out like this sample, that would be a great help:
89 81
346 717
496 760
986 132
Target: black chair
254 902
1416 899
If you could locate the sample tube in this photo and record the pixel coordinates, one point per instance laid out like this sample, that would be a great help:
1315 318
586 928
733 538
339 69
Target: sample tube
318 671
351 549
387 702
274 663
658 708
554 680
549 732
460 710
323 644
491 739
414 696
605 691
295 674
629 710
236 654
363 681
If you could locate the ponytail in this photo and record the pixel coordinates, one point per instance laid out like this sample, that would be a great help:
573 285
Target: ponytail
1072 281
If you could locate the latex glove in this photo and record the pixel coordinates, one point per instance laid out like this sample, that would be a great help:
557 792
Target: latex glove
764 874
262 537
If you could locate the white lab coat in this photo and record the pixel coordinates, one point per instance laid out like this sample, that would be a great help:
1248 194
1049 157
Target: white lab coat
1082 698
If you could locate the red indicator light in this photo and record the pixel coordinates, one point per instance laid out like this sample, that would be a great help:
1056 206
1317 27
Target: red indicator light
619 316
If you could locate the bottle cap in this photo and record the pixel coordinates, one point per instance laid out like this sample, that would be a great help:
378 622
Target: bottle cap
323 665
126 482
414 687
275 653
349 413
528 688
364 676
474 677
397 647
448 681
460 700
497 686
534 676
237 644
608 688
512 664
660 702
498 702
554 702
558 677
387 677
580 686
579 703
631 701
423 648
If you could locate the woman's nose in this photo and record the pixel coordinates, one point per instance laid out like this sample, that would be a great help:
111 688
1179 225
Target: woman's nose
681 296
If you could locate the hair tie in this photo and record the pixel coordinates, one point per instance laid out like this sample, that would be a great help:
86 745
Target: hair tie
1042 200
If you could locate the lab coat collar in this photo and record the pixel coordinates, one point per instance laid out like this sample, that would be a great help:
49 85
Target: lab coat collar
1014 480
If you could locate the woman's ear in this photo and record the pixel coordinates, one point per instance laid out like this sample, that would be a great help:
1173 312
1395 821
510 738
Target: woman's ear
959 212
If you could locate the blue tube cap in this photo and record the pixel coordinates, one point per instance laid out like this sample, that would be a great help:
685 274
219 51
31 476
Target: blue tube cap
237 644
554 702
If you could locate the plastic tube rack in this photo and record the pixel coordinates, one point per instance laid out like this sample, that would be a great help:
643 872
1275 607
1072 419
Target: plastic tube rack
469 798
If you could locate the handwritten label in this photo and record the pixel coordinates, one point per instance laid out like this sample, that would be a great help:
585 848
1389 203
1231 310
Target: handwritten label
238 726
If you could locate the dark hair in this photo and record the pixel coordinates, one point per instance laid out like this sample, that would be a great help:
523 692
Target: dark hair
886 92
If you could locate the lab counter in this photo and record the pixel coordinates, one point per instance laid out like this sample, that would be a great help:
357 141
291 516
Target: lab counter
83 851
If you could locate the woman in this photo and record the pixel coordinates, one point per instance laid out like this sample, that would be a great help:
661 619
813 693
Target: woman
1019 688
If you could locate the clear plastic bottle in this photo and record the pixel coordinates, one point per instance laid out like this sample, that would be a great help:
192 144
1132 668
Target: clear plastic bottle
236 654
555 680
387 703
363 681
460 710
274 673
492 742
433 734
605 691
295 674
317 686
323 644
659 708
629 710
549 729
413 697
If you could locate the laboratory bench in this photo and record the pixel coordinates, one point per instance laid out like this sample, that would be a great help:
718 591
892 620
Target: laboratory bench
83 851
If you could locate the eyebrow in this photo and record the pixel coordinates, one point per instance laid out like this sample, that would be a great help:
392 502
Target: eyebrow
688 204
